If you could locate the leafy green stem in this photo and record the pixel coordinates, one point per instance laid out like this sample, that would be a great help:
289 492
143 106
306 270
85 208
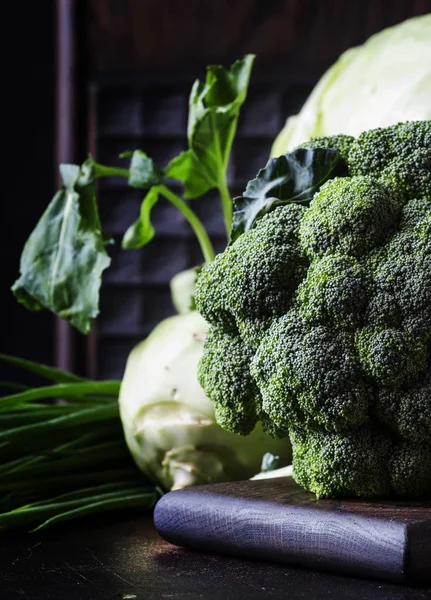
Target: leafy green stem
226 203
193 220
104 171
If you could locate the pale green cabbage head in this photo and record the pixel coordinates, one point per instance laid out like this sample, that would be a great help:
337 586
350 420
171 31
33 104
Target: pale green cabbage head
382 82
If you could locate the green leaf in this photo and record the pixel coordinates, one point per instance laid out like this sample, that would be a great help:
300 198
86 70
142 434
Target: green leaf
213 114
143 172
293 177
64 257
142 231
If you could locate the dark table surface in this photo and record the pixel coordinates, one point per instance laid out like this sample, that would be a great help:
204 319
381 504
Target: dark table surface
121 556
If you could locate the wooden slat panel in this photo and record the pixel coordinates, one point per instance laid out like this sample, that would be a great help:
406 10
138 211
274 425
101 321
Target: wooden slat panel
298 34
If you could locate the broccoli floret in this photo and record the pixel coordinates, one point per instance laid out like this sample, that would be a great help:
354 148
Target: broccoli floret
335 291
410 470
348 464
399 155
224 373
391 357
413 235
407 411
327 310
251 330
317 368
363 463
351 215
403 294
255 279
383 309
339 142
415 216
212 294
403 275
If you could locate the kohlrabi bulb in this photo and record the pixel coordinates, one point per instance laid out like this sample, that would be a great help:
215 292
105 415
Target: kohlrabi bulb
169 422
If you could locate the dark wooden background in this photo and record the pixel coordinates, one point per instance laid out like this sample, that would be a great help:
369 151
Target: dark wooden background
298 35
124 71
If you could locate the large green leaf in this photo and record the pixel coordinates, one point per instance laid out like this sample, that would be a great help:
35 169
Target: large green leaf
293 177
64 257
213 114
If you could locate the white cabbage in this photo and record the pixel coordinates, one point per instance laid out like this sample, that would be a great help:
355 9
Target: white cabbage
382 82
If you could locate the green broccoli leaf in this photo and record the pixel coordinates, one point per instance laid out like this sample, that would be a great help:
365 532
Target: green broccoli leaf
291 178
213 114
64 257
143 172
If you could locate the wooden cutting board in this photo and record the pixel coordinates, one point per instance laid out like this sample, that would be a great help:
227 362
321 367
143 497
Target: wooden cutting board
274 519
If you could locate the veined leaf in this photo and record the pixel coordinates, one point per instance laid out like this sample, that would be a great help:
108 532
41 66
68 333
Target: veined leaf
143 172
293 177
213 114
64 257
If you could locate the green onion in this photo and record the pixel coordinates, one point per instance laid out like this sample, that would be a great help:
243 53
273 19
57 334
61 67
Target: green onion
64 459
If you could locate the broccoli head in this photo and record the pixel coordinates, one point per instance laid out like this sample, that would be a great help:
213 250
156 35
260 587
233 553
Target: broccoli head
229 383
410 470
407 411
364 462
321 321
402 274
390 356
